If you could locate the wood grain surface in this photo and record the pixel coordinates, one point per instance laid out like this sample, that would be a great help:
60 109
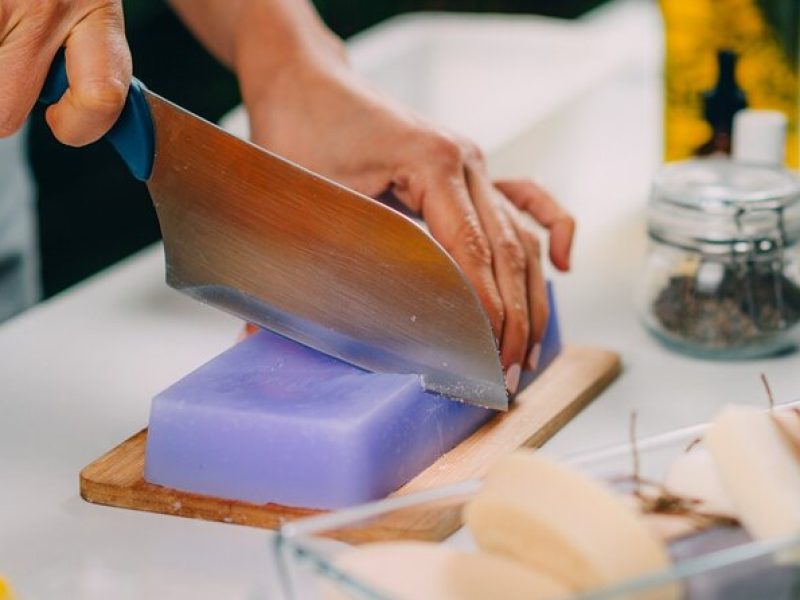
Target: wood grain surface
576 377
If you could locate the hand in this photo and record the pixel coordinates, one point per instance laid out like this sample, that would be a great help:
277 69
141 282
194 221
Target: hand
315 111
98 64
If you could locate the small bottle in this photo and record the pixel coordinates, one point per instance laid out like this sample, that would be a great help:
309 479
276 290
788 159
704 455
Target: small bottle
720 104
763 35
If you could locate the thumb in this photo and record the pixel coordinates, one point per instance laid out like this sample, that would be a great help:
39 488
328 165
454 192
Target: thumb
99 73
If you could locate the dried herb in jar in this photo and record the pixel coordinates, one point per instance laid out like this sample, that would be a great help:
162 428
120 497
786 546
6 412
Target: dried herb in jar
749 301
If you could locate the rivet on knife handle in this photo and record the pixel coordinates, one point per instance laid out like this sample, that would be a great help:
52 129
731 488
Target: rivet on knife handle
132 134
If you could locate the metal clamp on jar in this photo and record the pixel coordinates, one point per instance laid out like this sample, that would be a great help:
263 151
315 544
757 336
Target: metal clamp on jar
722 278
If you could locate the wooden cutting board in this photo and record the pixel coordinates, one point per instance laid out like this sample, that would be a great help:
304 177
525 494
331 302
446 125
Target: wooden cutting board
575 378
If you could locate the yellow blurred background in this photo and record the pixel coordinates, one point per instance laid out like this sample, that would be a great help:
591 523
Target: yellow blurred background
766 68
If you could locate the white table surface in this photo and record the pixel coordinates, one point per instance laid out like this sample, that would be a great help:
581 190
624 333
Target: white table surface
77 373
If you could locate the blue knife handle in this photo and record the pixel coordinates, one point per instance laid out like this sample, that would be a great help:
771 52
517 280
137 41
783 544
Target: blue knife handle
132 135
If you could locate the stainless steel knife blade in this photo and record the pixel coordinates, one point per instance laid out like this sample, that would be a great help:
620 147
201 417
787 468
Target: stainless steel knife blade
267 240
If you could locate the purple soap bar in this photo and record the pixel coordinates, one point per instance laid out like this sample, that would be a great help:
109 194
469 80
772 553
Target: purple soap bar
271 420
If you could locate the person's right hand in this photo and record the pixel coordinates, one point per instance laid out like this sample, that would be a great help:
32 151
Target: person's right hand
98 64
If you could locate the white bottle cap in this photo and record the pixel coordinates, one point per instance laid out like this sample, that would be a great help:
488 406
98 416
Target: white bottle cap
759 137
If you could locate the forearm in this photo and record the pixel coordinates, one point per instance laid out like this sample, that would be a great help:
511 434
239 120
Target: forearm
306 105
262 35
214 23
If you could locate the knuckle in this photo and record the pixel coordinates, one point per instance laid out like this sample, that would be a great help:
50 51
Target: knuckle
511 253
472 153
473 243
445 151
104 97
518 314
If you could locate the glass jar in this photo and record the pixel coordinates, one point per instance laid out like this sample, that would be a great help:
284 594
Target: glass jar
722 277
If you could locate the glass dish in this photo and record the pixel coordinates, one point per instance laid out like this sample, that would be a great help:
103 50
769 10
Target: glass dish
715 564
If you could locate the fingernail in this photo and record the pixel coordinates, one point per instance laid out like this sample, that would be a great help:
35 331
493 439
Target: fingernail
533 359
512 377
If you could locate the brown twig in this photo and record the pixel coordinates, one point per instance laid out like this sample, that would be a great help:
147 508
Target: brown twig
692 444
663 501
637 480
770 397
667 503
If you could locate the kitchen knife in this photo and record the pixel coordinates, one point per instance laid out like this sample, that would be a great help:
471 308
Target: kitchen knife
273 243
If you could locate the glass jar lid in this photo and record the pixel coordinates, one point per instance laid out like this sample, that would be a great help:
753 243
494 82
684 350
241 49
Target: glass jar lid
719 206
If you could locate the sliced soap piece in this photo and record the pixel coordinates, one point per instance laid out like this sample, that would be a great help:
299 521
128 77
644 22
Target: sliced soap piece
760 469
427 571
788 421
694 474
271 420
560 523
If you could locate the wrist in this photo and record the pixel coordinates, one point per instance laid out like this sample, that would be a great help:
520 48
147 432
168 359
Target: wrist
276 44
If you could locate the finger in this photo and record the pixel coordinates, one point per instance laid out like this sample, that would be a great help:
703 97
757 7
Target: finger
537 286
99 72
534 200
24 62
510 270
441 197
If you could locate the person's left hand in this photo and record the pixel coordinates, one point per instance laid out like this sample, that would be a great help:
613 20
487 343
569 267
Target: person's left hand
317 112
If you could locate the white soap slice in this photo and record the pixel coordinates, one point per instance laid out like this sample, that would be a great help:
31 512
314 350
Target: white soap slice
557 521
693 474
760 469
420 570
788 422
